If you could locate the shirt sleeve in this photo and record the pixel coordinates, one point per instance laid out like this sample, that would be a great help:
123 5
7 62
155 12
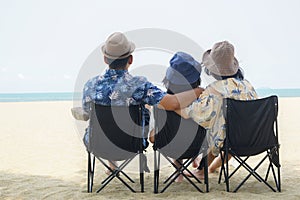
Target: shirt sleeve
152 94
86 99
203 110
151 122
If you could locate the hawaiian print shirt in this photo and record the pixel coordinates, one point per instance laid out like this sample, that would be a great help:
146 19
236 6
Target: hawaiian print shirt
207 110
118 87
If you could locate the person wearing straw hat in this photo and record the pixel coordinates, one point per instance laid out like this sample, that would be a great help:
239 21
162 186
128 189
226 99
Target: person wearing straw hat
118 87
220 63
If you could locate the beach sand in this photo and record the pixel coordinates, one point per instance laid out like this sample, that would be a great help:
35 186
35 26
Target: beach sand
42 157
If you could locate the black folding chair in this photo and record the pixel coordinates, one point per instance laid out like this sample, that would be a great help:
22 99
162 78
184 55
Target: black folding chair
251 129
116 134
179 139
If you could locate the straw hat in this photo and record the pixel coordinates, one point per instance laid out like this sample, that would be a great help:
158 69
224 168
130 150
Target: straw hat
117 46
220 59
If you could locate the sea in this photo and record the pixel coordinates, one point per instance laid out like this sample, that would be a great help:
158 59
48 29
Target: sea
70 96
44 96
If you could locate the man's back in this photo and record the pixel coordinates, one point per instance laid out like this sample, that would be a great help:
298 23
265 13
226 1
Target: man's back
118 87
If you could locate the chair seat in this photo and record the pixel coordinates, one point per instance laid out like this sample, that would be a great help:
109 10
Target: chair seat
178 138
116 133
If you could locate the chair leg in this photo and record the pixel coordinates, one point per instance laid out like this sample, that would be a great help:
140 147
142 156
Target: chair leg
93 171
156 171
226 172
115 174
206 173
252 171
179 171
88 173
184 168
242 162
276 179
91 167
222 168
175 174
268 171
275 162
113 171
141 170
154 181
279 181
110 179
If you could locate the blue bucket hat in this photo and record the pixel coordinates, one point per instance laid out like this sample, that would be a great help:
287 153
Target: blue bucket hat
183 69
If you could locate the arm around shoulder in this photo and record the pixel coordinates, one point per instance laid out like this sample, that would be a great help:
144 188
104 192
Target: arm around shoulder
180 100
182 113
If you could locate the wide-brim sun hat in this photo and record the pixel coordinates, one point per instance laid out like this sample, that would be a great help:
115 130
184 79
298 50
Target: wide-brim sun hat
220 59
183 69
117 46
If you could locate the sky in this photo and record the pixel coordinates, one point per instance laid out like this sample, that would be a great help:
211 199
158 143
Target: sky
43 44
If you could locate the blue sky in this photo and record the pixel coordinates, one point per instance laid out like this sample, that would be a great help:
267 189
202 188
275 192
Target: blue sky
43 44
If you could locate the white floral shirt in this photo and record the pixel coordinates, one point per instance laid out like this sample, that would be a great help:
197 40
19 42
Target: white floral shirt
207 110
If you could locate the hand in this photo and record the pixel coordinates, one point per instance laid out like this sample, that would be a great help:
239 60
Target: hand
79 114
200 91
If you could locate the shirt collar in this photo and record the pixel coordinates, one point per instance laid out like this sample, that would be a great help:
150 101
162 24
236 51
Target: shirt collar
113 72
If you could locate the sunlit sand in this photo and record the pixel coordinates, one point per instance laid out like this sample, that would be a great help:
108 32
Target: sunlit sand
42 157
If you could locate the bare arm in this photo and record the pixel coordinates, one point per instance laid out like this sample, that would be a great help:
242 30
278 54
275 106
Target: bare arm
180 100
182 113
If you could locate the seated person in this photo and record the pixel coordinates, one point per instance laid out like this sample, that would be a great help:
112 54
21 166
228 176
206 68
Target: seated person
220 63
182 75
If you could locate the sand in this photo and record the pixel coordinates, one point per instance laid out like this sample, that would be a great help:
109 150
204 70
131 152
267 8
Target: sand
42 157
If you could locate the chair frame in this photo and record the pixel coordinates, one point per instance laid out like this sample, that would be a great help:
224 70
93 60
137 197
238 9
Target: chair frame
179 170
118 169
226 150
114 173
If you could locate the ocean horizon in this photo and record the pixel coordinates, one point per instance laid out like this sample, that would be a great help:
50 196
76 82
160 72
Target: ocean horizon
70 96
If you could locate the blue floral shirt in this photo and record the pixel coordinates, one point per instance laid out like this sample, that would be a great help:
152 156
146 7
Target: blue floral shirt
118 87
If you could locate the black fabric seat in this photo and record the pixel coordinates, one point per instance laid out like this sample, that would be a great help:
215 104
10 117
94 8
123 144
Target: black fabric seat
178 138
251 129
116 134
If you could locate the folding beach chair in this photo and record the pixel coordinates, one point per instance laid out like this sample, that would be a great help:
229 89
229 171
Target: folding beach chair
251 129
116 135
178 138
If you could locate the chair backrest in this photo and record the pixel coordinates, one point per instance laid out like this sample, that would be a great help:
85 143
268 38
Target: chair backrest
115 131
177 137
250 125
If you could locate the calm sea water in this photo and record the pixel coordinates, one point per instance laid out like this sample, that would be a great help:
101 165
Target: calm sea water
28 97
69 96
279 92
